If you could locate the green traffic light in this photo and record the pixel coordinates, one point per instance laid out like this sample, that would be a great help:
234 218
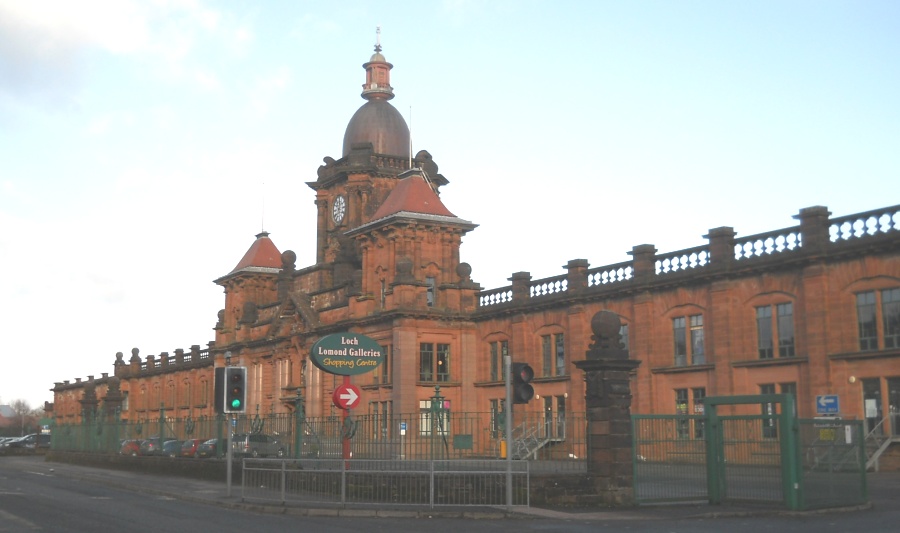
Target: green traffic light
235 404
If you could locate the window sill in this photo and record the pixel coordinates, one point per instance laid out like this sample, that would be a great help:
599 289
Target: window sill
376 386
440 383
550 379
679 369
868 354
777 361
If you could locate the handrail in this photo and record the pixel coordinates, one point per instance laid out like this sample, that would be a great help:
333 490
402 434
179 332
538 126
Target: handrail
881 441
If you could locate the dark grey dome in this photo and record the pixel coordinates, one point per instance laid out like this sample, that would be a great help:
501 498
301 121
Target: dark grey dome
379 123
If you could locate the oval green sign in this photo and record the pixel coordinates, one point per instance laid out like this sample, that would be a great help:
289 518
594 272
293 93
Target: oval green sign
346 354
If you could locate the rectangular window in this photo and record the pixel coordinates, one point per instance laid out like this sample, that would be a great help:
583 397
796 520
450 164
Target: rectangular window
546 355
682 425
429 291
434 362
382 374
561 417
497 418
764 332
434 419
426 362
769 425
699 425
386 415
375 415
790 388
678 330
498 350
688 349
443 362
785 316
697 355
623 336
890 313
865 319
560 355
553 354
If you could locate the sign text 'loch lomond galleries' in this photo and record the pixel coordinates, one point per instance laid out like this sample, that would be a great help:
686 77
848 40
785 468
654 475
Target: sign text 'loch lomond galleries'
346 354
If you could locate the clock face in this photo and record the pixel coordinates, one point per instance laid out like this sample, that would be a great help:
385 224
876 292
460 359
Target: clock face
337 211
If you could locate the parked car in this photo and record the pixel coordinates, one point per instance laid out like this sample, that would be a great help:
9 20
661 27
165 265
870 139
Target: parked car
41 440
171 448
257 445
10 442
33 441
208 448
130 447
189 447
154 446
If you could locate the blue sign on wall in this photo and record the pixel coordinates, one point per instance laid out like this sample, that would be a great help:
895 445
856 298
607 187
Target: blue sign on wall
828 404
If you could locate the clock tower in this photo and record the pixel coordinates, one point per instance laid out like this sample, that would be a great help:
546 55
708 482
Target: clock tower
349 190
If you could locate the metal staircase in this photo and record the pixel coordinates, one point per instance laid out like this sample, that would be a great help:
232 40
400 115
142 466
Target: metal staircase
527 440
876 444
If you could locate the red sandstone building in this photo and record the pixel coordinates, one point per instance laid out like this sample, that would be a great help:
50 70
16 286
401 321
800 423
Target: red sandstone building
811 310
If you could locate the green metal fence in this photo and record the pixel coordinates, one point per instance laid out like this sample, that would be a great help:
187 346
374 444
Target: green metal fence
833 456
669 458
771 457
557 442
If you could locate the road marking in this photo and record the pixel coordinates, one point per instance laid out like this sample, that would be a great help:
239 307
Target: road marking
11 522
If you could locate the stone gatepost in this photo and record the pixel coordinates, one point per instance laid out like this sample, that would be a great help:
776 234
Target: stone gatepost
113 401
607 371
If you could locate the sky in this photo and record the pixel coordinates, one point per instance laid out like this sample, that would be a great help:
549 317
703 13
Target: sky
144 144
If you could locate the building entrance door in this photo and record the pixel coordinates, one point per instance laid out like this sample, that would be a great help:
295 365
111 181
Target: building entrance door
872 410
894 405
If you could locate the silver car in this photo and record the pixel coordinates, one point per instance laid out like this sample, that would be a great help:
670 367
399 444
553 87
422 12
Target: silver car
257 445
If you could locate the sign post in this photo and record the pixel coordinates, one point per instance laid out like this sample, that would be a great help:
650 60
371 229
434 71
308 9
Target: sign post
346 354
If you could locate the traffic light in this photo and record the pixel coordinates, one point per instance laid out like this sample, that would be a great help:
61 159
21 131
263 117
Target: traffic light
219 390
235 400
522 374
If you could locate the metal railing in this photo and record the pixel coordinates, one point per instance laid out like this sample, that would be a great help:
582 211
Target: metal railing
361 482
555 443
746 458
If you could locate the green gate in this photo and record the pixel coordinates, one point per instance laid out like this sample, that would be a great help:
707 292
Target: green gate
771 457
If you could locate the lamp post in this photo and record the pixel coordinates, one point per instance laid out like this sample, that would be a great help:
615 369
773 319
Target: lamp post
437 417
300 415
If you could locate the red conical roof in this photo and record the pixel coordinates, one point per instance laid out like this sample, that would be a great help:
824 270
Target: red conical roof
263 254
413 195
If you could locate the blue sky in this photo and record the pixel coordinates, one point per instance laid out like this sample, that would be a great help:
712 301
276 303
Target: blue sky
144 144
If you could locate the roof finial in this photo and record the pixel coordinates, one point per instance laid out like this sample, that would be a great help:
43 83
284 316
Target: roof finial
377 38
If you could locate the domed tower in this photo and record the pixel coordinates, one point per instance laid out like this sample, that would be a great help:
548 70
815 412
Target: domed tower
376 150
377 121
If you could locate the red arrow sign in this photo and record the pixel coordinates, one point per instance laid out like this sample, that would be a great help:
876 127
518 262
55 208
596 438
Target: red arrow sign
346 396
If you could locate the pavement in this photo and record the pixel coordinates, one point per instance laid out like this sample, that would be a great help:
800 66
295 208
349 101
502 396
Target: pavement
883 488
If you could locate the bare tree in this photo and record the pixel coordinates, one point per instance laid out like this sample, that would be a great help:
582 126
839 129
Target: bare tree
23 410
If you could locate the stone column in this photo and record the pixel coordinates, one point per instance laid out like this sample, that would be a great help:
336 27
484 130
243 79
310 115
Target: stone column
521 286
112 402
112 414
607 371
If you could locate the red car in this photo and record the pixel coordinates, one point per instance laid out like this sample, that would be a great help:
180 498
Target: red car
130 447
189 447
